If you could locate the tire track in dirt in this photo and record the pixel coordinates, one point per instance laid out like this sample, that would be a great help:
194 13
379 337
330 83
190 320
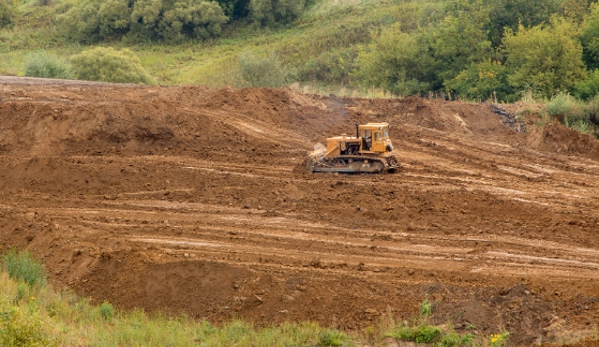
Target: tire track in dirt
195 200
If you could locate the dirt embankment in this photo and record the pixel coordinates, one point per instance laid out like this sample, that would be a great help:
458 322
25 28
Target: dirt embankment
186 200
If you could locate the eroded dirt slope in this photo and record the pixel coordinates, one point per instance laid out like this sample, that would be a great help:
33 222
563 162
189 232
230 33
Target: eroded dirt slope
194 200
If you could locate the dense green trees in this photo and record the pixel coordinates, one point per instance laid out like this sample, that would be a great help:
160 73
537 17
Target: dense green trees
171 21
398 62
544 58
483 48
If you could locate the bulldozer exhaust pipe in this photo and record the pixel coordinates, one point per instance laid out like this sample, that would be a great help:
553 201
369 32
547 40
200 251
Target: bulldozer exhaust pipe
357 130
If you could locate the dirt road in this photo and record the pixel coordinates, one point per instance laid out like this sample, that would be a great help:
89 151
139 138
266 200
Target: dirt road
194 200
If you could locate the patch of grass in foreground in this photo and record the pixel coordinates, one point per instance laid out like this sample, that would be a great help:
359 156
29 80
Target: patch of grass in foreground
32 313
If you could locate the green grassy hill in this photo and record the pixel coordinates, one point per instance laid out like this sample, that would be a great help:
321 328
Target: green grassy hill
327 35
467 49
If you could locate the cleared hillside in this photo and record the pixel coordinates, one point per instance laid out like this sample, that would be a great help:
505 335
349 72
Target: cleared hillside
186 199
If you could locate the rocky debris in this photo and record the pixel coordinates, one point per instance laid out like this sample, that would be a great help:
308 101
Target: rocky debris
508 119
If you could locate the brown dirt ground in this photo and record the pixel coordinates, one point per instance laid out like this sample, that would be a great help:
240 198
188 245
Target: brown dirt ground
194 200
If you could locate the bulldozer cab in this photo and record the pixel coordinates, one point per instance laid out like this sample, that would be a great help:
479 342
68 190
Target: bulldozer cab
375 138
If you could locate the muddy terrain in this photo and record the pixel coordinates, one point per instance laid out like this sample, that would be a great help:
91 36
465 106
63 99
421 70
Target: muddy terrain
192 200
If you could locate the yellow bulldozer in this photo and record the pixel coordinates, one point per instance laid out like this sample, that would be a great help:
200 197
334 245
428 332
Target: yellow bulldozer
370 151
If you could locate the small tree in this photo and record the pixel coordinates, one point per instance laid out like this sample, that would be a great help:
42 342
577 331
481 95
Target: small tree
6 12
110 65
256 72
47 66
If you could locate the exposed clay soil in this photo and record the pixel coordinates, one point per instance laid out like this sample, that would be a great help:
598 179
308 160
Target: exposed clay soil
194 200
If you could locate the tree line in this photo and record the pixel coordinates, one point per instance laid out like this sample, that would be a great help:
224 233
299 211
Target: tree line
472 49
490 48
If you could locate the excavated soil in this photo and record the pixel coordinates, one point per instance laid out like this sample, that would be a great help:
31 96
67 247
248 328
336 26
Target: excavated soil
194 200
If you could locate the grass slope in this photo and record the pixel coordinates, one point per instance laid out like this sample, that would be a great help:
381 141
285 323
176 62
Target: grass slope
329 27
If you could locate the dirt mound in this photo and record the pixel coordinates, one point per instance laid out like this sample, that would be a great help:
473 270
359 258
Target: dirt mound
556 138
193 200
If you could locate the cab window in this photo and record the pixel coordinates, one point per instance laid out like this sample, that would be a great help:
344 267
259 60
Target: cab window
367 133
378 136
386 133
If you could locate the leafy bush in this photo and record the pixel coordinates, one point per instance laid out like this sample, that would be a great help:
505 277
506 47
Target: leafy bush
545 57
7 12
172 21
579 125
397 62
47 66
234 9
106 310
265 72
452 339
114 17
571 112
481 81
589 87
419 334
331 67
331 338
81 23
20 329
275 11
176 21
110 65
21 266
589 37
591 110
564 106
426 308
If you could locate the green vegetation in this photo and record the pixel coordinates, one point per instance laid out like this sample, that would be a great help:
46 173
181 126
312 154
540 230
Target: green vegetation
22 267
472 50
33 314
110 65
256 72
6 12
47 66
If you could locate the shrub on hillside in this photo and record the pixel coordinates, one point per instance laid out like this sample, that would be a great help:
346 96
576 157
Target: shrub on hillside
265 72
568 111
6 12
275 11
47 66
332 67
22 327
21 266
110 65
